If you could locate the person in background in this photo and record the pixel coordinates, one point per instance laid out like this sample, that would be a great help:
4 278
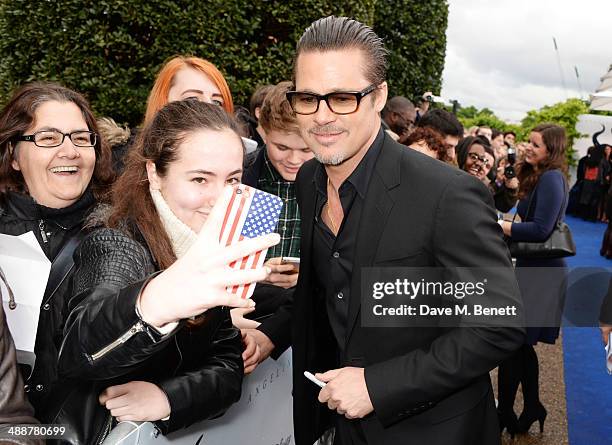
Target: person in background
257 131
605 315
399 115
606 243
149 326
184 77
54 168
180 77
446 125
474 156
472 131
429 142
509 138
246 128
604 174
498 144
486 132
118 138
521 149
504 189
543 195
424 102
273 169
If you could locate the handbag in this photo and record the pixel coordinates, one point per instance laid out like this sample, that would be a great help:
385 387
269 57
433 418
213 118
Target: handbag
559 244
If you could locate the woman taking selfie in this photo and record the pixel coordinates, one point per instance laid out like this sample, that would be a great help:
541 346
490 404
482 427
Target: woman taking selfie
160 346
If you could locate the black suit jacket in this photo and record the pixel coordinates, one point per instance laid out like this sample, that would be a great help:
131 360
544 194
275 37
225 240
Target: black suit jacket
427 385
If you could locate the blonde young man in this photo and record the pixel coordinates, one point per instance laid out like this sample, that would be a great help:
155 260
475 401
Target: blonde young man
273 169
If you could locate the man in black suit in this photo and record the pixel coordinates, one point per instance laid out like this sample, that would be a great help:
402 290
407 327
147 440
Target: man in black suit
369 201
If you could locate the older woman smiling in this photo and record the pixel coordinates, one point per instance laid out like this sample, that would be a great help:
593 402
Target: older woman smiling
53 170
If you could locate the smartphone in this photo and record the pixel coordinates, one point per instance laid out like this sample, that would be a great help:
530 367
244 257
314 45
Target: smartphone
290 260
295 261
249 214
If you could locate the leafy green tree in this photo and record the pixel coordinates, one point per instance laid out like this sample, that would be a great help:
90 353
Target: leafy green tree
111 50
415 33
471 116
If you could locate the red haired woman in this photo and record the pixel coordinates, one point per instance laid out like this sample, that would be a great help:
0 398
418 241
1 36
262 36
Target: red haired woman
184 77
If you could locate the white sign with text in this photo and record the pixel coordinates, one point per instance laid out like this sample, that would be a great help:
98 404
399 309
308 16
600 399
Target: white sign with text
263 416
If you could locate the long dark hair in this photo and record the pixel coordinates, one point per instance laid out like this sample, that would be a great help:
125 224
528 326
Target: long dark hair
158 142
463 148
19 114
555 140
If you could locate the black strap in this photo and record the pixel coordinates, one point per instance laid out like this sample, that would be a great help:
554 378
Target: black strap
533 194
62 265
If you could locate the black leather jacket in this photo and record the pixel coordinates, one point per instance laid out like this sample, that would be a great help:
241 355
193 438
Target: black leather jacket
199 368
19 214
14 407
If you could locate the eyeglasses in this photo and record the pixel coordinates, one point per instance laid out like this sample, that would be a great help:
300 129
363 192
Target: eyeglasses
474 157
55 138
340 102
406 123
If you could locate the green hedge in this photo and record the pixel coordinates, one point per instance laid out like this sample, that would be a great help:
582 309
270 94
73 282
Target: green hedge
415 32
111 50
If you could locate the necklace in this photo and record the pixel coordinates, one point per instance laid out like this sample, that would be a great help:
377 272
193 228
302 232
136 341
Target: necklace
328 211
331 218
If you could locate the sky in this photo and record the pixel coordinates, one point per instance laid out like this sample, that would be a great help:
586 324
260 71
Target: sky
500 54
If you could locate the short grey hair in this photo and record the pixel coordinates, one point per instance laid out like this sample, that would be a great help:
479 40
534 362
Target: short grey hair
337 33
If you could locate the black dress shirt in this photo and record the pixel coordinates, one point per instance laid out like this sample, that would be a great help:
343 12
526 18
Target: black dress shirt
333 255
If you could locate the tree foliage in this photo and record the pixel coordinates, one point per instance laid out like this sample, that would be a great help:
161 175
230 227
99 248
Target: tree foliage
111 50
471 116
415 33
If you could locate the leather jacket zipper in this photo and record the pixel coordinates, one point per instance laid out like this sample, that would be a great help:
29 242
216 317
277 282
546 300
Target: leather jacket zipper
105 432
41 227
138 327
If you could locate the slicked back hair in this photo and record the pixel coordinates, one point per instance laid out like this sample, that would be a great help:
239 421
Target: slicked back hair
340 33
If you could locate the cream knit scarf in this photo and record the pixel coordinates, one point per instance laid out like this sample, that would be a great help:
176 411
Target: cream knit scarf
180 234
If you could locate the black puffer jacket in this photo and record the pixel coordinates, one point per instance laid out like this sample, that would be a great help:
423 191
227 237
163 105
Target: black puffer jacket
19 214
199 368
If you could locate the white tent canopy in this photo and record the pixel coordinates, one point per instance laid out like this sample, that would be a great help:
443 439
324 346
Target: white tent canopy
602 98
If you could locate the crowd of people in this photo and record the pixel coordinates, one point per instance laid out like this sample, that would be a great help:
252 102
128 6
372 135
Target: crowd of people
591 194
136 323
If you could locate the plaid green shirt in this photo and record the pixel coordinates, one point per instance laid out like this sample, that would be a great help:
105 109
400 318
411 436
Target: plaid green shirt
289 222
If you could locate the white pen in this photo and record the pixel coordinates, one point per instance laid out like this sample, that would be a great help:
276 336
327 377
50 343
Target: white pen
313 379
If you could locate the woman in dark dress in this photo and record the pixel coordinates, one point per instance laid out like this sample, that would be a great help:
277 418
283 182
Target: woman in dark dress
543 198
